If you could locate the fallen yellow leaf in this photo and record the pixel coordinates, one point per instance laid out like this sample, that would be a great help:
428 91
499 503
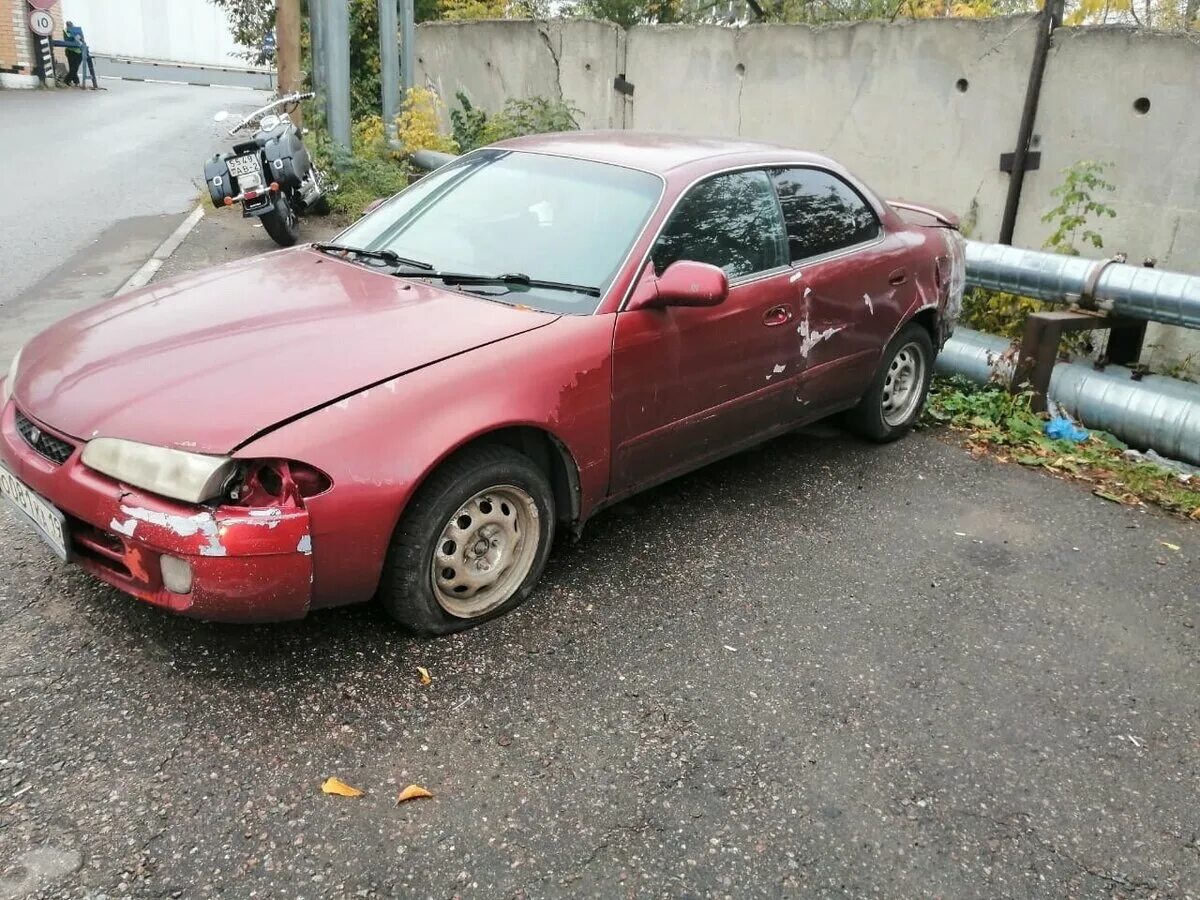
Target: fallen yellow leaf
425 679
1169 546
339 787
412 792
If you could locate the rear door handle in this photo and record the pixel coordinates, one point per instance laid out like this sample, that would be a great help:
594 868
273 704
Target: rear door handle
777 315
897 276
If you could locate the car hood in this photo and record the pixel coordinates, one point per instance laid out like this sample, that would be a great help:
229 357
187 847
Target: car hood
206 361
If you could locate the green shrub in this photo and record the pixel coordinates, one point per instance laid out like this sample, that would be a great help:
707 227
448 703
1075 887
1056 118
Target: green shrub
473 127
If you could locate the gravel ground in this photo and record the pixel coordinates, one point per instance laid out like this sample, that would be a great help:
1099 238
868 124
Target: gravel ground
820 668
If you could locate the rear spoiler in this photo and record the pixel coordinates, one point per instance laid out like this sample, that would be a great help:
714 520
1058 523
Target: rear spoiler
928 216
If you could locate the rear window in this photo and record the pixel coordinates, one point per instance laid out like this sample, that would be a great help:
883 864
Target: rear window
823 213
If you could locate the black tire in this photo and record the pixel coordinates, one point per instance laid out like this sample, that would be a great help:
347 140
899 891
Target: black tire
281 223
407 585
871 418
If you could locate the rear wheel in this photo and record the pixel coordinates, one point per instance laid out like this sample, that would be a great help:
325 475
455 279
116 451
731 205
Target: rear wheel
281 222
893 402
472 544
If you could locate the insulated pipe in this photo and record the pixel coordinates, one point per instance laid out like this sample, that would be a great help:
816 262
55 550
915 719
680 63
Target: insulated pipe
1135 291
1155 412
428 160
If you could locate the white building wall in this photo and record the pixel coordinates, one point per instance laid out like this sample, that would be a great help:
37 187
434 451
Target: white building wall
182 31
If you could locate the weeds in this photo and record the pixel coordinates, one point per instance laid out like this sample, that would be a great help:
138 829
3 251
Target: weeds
1002 424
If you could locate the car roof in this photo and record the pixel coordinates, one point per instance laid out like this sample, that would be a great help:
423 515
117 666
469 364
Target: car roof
659 152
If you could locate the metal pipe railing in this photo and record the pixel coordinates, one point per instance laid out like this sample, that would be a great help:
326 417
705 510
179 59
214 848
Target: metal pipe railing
1154 412
1137 291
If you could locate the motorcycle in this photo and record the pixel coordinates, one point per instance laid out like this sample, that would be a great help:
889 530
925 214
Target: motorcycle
272 174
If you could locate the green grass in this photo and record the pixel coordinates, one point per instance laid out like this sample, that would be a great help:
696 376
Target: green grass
1002 424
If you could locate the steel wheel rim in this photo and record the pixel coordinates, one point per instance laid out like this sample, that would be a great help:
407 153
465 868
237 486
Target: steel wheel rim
902 384
485 552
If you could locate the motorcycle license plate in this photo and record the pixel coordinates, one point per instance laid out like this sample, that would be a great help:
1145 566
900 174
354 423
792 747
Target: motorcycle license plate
244 165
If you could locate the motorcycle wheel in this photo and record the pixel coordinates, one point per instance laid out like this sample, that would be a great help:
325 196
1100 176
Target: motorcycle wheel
281 223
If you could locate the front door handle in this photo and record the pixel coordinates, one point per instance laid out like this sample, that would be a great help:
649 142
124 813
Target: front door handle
777 315
897 276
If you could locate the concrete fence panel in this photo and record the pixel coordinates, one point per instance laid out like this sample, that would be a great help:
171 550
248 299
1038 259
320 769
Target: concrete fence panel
574 60
921 110
1130 98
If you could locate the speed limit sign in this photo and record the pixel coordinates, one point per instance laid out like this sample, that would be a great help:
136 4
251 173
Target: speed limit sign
41 23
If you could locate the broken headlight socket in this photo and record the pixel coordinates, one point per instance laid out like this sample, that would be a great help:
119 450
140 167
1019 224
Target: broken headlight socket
176 574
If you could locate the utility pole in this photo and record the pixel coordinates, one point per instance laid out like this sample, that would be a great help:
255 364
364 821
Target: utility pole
335 35
408 45
287 48
389 68
316 47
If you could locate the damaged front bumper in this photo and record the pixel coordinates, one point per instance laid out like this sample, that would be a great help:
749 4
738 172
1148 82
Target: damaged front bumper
247 564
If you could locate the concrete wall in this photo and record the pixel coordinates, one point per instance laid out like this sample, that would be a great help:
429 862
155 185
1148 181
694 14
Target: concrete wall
491 61
920 109
881 98
1093 78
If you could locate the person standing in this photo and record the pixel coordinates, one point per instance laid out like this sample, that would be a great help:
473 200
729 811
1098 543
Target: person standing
73 36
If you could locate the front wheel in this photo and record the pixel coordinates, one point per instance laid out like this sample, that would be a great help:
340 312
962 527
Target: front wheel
281 223
472 543
893 402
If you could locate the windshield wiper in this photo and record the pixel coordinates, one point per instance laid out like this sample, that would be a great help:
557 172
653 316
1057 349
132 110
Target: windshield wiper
388 256
511 278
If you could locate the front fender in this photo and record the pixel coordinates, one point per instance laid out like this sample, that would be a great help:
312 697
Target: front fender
378 446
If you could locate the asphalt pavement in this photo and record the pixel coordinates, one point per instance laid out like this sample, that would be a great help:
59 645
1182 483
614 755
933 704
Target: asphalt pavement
820 668
91 183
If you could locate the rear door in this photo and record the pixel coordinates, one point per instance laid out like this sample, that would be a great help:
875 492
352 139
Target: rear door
851 279
690 384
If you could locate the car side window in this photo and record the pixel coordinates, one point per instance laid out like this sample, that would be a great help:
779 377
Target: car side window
730 221
822 213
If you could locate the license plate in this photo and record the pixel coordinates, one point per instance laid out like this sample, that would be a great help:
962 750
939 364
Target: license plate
50 523
244 165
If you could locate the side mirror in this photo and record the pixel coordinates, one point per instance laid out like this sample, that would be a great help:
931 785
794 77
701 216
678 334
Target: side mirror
684 283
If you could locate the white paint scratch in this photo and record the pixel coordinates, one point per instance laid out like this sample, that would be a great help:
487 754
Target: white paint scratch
125 528
305 545
343 404
184 526
870 305
778 370
809 339
795 277
269 517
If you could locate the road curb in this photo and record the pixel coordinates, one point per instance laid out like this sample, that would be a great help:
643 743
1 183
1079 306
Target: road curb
210 84
142 276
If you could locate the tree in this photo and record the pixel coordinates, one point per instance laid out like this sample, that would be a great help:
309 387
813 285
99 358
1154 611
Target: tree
628 13
250 20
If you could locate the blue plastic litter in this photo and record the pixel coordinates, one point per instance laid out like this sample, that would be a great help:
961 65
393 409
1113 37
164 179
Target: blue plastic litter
1060 428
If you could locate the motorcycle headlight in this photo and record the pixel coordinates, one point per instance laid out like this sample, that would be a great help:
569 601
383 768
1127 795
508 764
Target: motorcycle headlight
191 477
10 381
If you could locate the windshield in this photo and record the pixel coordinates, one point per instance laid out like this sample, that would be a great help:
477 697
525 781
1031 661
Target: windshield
499 212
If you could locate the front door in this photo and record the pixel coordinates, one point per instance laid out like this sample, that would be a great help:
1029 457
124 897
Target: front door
691 384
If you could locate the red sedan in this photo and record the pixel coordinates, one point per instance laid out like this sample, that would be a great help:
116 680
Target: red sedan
525 336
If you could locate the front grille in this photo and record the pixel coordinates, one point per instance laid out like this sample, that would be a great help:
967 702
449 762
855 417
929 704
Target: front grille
46 445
